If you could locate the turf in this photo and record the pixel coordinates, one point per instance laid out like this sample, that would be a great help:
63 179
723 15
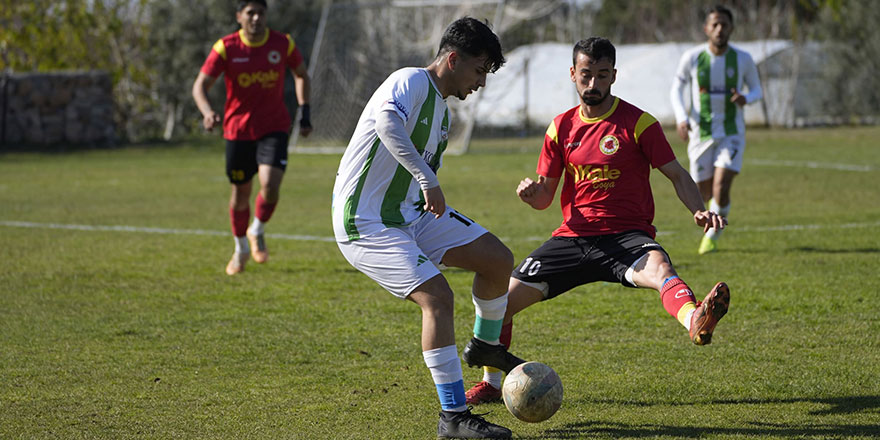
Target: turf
117 321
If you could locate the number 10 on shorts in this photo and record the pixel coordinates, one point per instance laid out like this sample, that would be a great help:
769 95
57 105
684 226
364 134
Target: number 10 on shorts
530 266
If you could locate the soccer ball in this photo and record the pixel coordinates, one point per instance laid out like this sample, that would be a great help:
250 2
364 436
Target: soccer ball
532 392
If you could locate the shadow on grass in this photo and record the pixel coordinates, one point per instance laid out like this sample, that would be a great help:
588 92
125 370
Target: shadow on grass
617 430
835 406
836 251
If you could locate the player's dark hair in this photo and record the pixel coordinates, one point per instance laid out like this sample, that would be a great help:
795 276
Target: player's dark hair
243 4
474 38
596 48
719 9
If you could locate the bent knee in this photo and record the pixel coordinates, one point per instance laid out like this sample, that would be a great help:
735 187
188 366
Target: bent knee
499 257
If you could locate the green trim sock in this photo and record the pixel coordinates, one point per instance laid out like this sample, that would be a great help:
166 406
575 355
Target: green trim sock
489 317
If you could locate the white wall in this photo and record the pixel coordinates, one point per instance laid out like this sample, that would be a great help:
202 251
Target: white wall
644 77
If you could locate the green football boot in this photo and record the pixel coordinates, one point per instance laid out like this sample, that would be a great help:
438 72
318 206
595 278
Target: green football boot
708 245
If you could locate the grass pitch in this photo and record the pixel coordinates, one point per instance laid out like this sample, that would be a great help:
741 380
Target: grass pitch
118 322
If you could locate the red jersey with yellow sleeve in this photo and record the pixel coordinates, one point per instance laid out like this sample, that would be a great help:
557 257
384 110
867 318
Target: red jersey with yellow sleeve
607 162
255 73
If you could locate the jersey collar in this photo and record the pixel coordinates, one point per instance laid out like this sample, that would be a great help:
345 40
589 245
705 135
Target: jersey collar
587 120
249 43
433 85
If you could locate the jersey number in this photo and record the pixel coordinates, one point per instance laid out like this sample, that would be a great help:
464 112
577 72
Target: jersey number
530 266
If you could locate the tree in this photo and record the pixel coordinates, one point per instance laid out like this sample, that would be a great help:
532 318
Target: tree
44 35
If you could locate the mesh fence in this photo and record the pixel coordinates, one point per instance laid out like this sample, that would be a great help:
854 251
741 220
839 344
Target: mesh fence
361 43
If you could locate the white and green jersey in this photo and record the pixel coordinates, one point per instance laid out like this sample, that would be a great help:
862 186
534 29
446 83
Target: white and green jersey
711 77
373 190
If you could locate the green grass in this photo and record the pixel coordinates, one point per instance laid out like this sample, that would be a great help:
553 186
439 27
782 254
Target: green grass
127 334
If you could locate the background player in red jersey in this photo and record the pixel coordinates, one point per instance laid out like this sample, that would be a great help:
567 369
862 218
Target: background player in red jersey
606 148
256 124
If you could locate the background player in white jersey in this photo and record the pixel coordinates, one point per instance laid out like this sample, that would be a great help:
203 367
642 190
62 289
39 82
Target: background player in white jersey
714 125
391 221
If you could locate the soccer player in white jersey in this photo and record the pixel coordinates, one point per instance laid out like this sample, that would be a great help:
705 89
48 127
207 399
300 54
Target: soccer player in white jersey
391 221
714 125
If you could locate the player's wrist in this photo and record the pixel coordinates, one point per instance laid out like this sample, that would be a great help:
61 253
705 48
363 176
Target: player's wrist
305 120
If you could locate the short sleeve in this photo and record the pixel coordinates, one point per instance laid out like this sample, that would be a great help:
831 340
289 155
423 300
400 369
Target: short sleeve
652 141
294 57
215 64
551 163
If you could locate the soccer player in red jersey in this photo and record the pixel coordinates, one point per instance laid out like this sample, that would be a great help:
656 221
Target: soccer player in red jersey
606 148
256 123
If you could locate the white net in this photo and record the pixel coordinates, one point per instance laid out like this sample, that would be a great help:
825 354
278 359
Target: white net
360 43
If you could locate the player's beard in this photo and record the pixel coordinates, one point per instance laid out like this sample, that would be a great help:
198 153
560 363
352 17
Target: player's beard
593 97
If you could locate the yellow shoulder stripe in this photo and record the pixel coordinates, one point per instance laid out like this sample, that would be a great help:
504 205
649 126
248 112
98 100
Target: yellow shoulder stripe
645 121
551 132
290 45
220 48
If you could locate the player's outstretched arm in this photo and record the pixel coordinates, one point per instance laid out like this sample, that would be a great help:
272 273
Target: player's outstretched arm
538 195
689 194
203 82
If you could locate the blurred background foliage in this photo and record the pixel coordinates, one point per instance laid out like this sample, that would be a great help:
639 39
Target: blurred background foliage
153 49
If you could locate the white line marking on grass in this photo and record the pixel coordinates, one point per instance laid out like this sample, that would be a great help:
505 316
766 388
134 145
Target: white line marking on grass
781 228
294 237
811 164
784 228
122 228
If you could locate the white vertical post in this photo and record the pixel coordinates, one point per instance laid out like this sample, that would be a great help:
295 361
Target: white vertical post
316 49
472 114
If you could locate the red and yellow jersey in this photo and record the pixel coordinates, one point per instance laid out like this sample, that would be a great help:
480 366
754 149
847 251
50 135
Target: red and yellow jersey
607 162
254 82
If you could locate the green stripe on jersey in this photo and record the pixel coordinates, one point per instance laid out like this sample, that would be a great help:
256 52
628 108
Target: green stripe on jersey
730 76
399 186
704 80
351 204
441 147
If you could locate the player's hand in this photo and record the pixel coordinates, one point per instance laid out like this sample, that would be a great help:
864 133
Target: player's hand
527 190
682 129
211 120
435 202
736 98
709 220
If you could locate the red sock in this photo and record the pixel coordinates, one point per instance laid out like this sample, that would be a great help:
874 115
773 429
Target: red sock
239 221
506 334
264 210
675 294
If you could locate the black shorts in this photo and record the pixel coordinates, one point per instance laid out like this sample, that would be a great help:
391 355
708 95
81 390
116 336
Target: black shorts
244 157
567 262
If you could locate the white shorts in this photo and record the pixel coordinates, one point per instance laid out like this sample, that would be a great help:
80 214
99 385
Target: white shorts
401 259
705 156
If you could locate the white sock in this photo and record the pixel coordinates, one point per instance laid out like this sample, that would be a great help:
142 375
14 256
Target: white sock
494 378
241 245
445 369
713 233
256 227
490 314
687 319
